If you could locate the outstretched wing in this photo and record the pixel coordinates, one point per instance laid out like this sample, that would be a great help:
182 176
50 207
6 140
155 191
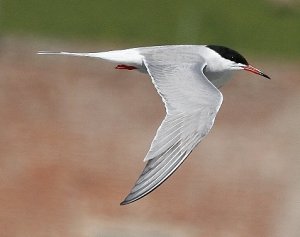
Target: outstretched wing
191 102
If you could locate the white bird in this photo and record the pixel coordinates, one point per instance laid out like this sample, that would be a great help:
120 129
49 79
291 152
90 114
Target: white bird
187 77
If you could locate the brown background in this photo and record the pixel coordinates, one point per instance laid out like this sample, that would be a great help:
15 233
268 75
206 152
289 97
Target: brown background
74 133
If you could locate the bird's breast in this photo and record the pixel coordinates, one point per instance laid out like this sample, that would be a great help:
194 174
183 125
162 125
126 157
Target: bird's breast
218 79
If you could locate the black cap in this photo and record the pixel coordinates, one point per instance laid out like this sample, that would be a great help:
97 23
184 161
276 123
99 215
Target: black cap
229 54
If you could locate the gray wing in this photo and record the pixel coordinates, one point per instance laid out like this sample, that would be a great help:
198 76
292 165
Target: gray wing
192 103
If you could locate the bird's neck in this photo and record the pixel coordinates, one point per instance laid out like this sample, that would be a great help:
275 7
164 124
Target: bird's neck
218 78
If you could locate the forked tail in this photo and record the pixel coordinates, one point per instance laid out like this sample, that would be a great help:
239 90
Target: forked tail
126 59
67 53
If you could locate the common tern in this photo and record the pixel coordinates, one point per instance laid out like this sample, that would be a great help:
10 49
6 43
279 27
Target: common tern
188 78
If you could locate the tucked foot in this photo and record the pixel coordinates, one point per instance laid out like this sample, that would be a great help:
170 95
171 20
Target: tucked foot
123 66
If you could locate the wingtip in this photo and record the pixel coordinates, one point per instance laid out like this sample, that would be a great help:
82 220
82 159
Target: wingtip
132 197
127 200
124 202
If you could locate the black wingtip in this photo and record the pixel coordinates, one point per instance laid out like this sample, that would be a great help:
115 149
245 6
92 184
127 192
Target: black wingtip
123 203
131 198
126 201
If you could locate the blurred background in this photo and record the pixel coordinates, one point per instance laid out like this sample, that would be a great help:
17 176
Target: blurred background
74 131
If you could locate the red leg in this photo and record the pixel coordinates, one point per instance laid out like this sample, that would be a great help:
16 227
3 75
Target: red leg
123 66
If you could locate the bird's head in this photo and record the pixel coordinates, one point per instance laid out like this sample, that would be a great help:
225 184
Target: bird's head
229 60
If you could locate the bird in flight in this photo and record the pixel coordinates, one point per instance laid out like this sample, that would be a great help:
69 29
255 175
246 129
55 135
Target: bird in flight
188 78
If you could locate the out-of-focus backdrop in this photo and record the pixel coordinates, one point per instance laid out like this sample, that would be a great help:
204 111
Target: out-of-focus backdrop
74 131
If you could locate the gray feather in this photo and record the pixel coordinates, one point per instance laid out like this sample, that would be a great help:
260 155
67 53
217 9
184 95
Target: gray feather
192 103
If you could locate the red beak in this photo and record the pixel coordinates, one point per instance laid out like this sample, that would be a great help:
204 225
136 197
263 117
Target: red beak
249 68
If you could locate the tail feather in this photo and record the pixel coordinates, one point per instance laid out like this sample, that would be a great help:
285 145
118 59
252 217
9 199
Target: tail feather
130 57
71 54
